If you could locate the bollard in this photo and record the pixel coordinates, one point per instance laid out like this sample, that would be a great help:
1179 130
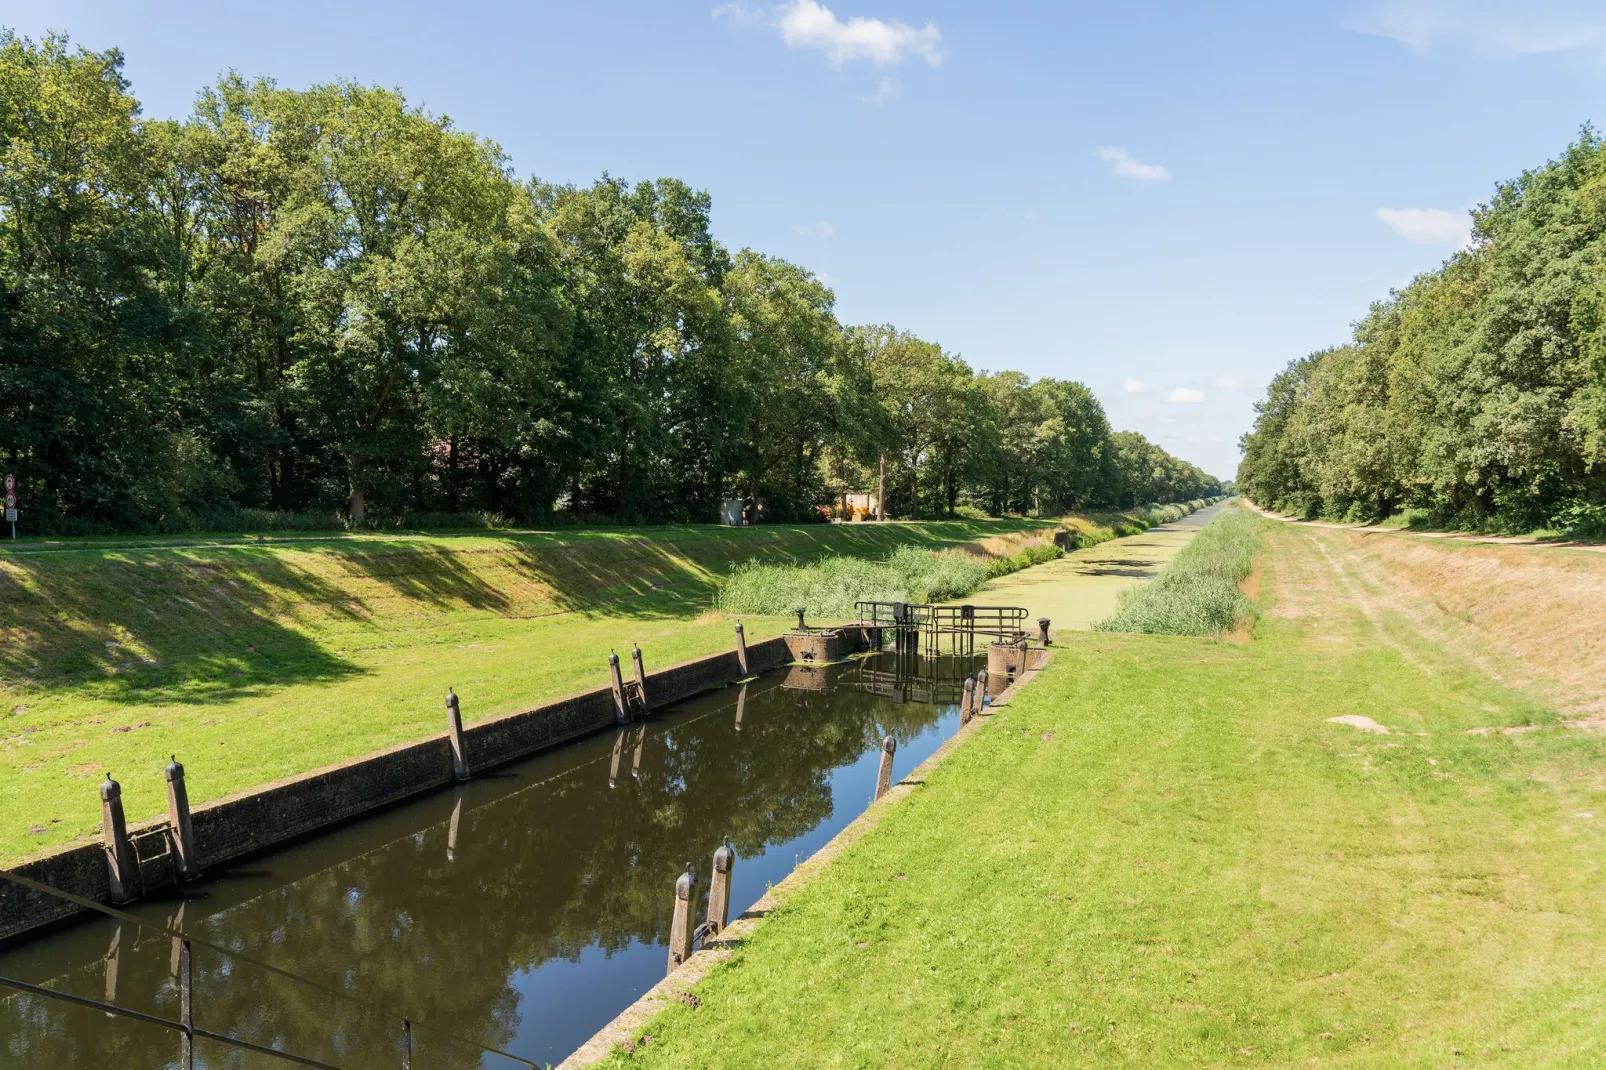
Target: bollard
621 712
800 625
883 777
682 927
454 729
719 889
121 867
618 752
185 862
1025 656
641 677
982 697
1042 628
741 702
741 648
967 704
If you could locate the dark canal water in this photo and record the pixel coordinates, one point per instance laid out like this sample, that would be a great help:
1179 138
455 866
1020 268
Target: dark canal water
521 911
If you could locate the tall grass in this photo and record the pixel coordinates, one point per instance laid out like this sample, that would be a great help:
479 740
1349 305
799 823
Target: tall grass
1199 593
830 587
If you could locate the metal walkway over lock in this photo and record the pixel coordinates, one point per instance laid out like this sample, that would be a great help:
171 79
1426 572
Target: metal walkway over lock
909 622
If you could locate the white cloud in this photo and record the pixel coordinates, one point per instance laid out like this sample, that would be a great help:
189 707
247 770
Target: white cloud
1124 165
1134 386
821 229
1498 29
1428 226
1229 383
885 90
810 24
1184 395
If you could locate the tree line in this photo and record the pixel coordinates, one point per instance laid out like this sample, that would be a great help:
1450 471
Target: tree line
303 302
1476 395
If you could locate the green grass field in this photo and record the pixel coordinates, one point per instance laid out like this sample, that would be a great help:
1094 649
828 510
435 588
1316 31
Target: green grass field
259 659
1164 854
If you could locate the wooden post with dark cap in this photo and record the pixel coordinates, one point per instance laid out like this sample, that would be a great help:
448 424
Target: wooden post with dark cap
967 703
719 889
883 779
454 730
121 868
741 648
621 711
185 862
641 677
682 927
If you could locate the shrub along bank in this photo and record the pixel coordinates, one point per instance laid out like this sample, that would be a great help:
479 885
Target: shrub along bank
830 587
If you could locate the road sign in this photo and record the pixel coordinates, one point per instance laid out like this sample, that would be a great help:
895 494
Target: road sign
11 500
11 482
11 516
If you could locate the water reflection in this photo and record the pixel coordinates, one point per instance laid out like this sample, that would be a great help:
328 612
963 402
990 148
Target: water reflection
520 911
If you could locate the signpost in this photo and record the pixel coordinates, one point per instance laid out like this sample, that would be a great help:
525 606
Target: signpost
11 503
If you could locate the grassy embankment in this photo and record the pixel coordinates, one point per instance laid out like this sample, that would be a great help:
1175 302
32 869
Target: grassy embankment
1164 854
258 661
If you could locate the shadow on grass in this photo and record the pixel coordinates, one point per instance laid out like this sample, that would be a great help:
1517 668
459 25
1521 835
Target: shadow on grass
208 624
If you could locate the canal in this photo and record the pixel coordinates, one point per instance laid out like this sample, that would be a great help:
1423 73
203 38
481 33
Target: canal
520 912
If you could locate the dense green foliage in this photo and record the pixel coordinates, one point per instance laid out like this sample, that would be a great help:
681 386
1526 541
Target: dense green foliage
1199 593
1477 394
329 303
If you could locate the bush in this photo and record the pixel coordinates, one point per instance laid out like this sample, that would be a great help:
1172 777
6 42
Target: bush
1581 520
1198 594
830 587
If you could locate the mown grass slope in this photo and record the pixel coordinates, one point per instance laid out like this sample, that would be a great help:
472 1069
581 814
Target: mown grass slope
254 662
1164 854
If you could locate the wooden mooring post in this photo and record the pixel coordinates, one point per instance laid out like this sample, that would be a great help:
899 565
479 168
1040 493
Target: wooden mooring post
641 677
121 867
741 648
621 711
682 926
719 889
883 778
185 865
967 701
454 729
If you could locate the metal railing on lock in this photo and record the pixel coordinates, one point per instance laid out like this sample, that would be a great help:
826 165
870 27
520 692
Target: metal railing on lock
185 1025
959 625
892 614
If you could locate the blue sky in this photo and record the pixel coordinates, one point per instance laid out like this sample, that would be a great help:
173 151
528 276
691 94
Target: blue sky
1166 201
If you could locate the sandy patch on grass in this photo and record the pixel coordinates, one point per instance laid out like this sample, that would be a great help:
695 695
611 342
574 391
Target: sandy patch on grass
1355 720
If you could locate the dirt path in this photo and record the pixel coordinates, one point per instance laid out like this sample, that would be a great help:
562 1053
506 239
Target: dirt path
1455 536
1082 586
1531 617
